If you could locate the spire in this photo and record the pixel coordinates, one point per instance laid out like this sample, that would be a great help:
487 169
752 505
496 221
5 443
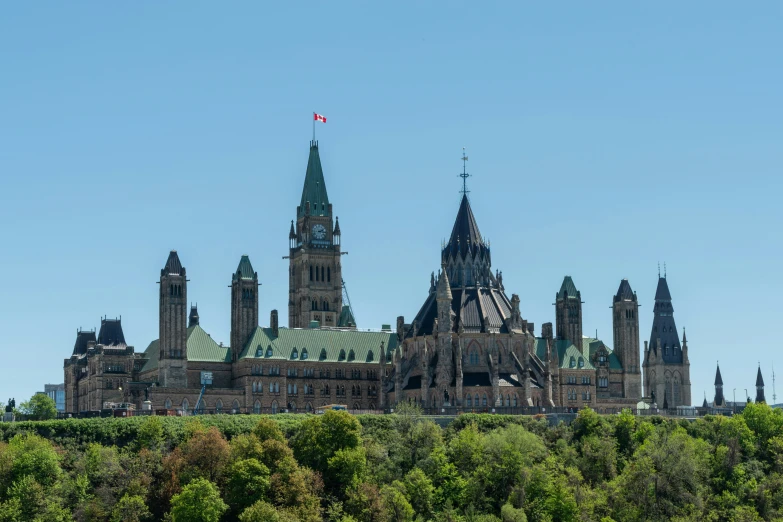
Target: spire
759 378
314 190
704 404
193 317
760 387
337 227
444 289
244 270
662 292
568 288
664 337
624 292
173 265
465 235
718 378
292 233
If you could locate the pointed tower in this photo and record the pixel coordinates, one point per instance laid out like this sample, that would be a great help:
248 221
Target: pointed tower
760 387
719 401
444 302
244 306
315 274
173 363
568 312
193 317
466 256
626 338
666 365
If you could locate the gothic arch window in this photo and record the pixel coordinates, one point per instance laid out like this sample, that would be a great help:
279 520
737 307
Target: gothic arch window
469 276
476 401
235 406
468 401
185 405
500 358
484 400
351 355
328 274
508 400
322 273
218 406
311 272
515 400
356 406
255 386
257 407
326 305
316 273
572 362
167 404
308 407
201 405
274 406
342 355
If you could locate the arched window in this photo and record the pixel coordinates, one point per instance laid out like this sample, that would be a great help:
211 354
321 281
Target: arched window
508 400
167 404
274 406
469 276
269 351
185 405
309 408
476 402
581 362
328 274
322 273
572 362
351 355
314 305
515 400
201 405
311 272
468 401
259 352
322 356
294 353
218 406
235 406
342 355
316 273
255 386
257 407
484 400
500 358
304 354
370 356
326 305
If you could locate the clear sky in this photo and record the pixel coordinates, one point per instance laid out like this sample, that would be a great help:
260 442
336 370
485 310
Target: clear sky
603 138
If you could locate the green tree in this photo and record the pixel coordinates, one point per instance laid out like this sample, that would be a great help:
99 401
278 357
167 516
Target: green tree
264 512
268 429
396 506
39 407
346 468
246 483
420 492
150 434
29 455
509 513
199 502
130 508
320 437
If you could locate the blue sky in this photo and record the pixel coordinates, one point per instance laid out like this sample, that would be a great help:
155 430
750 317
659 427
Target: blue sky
602 140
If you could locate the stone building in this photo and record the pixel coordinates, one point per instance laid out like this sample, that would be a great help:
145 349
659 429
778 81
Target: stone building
667 375
467 348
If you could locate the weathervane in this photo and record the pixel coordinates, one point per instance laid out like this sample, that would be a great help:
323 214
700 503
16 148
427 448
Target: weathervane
464 174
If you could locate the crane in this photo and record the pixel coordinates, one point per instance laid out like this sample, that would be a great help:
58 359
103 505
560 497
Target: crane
347 299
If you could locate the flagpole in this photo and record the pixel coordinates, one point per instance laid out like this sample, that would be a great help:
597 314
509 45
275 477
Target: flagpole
313 127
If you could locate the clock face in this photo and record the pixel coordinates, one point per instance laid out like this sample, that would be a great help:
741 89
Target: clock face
319 232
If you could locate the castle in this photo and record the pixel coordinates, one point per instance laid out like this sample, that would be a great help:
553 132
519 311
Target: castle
468 347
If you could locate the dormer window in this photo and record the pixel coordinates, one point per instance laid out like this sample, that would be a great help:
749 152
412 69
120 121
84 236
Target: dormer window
259 351
294 354
322 357
370 356
304 354
342 355
351 355
269 351
572 362
581 362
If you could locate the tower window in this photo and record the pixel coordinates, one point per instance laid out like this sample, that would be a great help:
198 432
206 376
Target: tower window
328 274
322 273
311 272
316 273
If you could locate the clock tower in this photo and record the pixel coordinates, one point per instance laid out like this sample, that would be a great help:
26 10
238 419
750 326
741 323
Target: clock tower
314 275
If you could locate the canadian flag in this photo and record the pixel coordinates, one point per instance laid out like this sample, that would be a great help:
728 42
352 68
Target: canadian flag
318 117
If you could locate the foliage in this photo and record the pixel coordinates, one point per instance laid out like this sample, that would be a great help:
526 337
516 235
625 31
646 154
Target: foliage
400 467
39 407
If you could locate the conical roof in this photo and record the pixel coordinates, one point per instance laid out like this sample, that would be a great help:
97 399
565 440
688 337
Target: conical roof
704 404
173 264
444 288
244 270
662 292
759 378
624 292
314 190
718 378
337 227
465 235
568 287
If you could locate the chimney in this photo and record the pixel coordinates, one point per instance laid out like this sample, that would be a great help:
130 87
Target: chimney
546 330
273 323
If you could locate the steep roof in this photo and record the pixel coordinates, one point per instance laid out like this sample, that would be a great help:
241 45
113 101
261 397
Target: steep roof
314 189
193 317
566 349
320 345
465 236
567 288
173 265
624 292
346 319
718 378
82 339
662 292
200 348
110 333
759 378
244 270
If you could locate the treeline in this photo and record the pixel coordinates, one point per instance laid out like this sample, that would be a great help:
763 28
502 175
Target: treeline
401 467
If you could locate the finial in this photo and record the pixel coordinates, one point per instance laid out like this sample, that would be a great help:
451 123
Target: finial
464 174
659 269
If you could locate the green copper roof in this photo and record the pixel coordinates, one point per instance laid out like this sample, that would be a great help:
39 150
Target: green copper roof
201 348
346 319
314 189
567 286
320 345
566 350
244 270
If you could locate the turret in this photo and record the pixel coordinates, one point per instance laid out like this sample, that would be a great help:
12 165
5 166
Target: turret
568 312
193 317
172 366
625 320
444 302
719 401
760 386
244 305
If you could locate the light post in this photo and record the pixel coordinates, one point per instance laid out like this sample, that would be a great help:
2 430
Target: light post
746 396
734 403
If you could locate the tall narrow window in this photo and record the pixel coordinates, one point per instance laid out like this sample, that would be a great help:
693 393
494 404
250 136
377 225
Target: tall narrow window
328 274
316 273
322 273
311 272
